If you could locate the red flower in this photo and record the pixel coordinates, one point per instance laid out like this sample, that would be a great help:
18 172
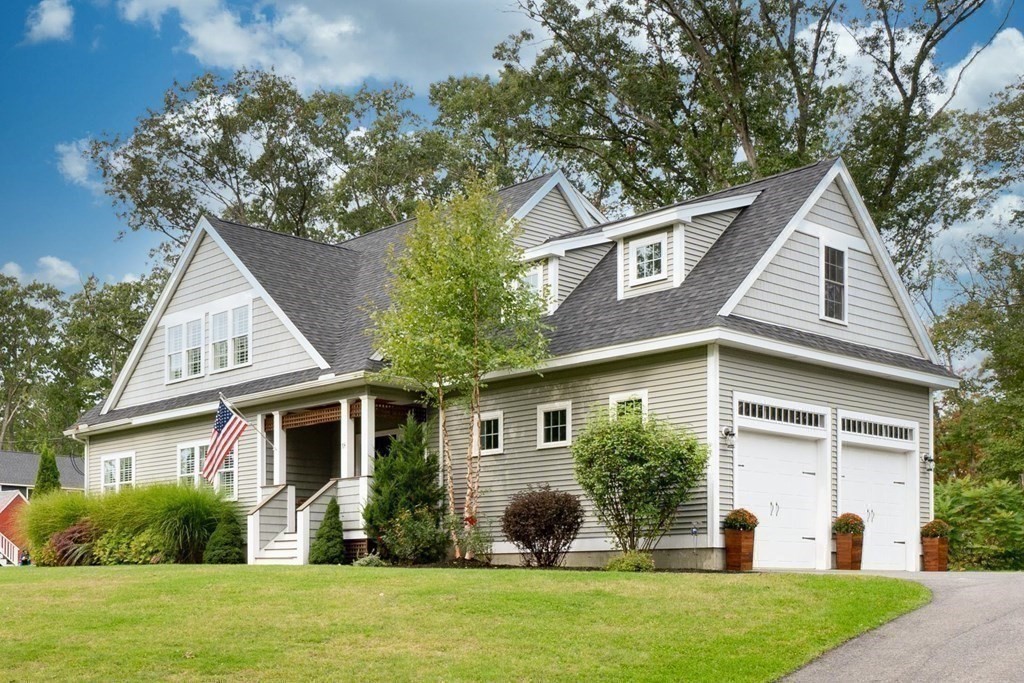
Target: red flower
470 521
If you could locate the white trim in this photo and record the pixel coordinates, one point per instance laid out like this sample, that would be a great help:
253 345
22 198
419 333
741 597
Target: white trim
118 457
498 415
671 541
621 396
660 239
261 449
620 276
262 293
714 441
909 449
552 292
822 246
931 454
582 211
13 498
559 247
280 449
678 254
675 214
551 407
872 238
780 427
837 239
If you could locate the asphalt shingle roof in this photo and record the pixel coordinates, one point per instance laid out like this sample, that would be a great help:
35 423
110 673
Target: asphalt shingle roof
328 290
19 469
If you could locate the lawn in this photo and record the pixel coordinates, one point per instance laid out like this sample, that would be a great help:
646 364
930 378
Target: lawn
288 623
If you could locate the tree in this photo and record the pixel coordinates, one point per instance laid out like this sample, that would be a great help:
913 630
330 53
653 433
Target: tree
637 471
29 316
329 545
48 476
457 313
226 545
405 480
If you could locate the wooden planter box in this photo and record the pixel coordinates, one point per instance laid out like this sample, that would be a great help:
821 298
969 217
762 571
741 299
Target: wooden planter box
848 551
739 550
936 554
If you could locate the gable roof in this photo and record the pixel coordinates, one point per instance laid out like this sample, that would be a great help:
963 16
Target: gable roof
8 497
18 468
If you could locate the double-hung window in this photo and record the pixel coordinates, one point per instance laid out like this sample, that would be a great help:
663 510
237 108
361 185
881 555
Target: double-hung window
118 471
533 279
192 458
629 403
230 338
648 259
185 350
554 424
491 438
833 267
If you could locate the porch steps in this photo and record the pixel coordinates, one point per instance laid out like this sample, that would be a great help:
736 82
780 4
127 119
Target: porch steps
284 549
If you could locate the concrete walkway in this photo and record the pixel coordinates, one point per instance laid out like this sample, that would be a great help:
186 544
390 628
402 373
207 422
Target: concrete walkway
973 630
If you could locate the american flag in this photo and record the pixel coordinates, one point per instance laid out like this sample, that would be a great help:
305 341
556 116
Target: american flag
227 429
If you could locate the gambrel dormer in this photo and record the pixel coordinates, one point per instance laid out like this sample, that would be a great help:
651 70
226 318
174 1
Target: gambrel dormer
653 249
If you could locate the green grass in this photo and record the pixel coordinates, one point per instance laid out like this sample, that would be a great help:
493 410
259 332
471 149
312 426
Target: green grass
287 623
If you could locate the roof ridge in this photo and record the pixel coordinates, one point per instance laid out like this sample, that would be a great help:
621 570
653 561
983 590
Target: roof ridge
829 160
268 231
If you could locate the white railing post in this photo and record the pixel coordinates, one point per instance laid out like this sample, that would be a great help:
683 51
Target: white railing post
290 524
280 450
303 540
253 529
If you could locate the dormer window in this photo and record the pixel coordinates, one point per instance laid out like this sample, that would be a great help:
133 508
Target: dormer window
533 279
648 257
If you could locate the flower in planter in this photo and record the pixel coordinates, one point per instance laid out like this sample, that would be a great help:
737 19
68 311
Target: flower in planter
935 529
848 523
740 520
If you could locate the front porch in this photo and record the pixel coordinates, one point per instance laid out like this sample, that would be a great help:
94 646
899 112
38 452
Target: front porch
306 456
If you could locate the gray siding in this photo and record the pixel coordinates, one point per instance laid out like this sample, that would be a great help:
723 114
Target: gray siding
676 392
704 232
576 265
667 282
833 210
156 454
788 380
551 217
788 293
209 277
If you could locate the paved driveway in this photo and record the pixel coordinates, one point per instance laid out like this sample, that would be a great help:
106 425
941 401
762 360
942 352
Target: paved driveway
973 630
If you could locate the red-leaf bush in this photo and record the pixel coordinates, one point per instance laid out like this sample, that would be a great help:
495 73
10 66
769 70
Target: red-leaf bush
73 546
740 519
542 523
848 523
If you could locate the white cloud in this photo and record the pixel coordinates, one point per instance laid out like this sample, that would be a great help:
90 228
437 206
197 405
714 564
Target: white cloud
73 165
327 43
56 271
998 66
49 20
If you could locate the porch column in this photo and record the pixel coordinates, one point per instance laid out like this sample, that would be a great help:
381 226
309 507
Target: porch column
280 450
348 441
367 427
261 452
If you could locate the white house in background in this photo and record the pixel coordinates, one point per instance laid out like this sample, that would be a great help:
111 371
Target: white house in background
767 318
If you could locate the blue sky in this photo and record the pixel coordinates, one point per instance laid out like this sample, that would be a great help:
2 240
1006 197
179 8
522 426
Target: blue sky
72 69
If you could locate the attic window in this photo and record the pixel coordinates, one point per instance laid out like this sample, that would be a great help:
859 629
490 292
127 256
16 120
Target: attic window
185 350
833 294
533 279
230 338
648 256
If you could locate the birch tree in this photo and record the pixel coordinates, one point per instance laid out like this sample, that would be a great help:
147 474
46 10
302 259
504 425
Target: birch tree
458 313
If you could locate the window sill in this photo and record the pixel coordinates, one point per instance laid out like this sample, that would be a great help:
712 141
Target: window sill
230 368
647 280
493 451
557 444
834 321
168 382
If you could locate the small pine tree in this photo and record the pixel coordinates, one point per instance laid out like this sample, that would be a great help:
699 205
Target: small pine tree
48 476
225 545
329 545
404 481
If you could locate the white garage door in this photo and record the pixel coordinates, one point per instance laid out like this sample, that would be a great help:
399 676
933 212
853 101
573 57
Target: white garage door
874 485
776 480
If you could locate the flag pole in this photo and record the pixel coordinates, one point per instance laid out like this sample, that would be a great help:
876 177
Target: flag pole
241 415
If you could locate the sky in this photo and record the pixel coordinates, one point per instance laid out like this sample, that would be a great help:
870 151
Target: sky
76 69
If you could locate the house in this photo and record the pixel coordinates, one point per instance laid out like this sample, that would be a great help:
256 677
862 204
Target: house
18 472
767 318
11 540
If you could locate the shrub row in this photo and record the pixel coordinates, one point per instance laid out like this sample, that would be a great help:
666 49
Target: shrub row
151 524
987 523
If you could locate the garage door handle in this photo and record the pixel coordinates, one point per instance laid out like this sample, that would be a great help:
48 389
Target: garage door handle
808 538
901 483
810 473
900 542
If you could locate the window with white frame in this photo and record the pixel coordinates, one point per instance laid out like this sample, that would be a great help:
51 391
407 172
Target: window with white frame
185 350
192 458
554 424
491 427
648 257
230 338
118 471
533 279
629 403
833 269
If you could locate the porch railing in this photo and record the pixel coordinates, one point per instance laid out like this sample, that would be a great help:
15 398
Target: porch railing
311 513
274 514
9 550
